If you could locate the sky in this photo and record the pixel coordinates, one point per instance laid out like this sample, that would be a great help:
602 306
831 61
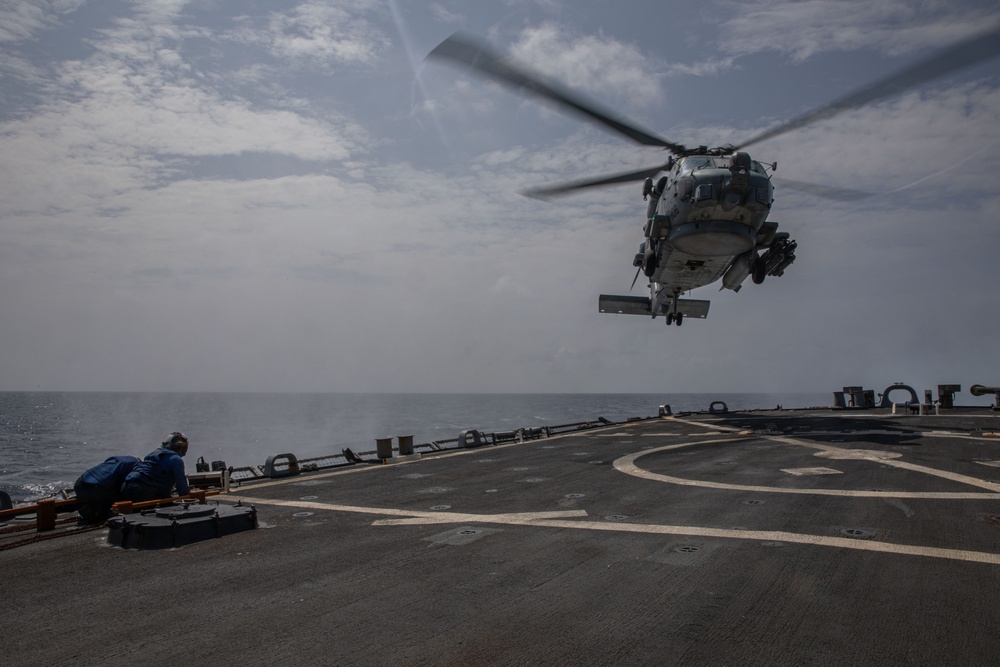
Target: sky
231 195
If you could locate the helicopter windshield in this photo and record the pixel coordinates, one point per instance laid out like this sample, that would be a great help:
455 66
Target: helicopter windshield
694 162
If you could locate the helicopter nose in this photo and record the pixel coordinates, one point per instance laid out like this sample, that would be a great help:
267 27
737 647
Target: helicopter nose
731 200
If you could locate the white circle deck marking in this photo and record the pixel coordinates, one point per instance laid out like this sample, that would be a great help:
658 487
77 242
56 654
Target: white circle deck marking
561 520
626 464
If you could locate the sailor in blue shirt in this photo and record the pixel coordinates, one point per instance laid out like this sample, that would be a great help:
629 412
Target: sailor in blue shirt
159 473
99 488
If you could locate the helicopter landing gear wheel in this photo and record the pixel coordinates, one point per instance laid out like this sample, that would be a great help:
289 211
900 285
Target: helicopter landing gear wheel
670 319
680 319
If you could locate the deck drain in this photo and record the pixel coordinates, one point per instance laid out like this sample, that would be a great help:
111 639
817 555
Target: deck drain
581 453
308 497
771 543
857 532
573 495
492 490
535 480
727 463
686 549
595 463
753 501
439 508
302 515
438 489
469 531
616 517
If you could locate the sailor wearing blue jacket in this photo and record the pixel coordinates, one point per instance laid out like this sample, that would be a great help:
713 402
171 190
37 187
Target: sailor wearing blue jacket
156 475
99 488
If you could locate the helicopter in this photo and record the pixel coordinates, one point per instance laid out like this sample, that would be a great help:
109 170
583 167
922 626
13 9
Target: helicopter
706 212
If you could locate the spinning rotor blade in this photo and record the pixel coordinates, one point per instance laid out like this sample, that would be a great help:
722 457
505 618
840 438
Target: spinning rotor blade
466 51
824 191
566 188
963 54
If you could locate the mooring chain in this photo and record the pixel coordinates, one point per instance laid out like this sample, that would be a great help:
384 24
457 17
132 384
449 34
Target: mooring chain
42 537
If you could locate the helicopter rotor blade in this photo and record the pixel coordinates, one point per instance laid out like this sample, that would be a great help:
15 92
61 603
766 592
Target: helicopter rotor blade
566 188
964 54
824 191
467 51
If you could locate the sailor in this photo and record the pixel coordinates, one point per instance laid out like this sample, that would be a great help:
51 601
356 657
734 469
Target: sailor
99 487
159 473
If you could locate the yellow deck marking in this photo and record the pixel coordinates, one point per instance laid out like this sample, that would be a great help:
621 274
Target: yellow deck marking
553 520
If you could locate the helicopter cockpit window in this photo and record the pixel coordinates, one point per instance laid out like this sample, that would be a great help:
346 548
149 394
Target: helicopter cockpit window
690 164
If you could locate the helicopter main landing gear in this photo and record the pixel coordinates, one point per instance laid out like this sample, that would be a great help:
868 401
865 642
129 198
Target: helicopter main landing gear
673 316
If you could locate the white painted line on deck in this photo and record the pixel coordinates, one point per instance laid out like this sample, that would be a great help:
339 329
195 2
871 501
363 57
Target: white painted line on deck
555 520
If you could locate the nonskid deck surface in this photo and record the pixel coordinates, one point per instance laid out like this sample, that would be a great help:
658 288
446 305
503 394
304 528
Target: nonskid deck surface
746 538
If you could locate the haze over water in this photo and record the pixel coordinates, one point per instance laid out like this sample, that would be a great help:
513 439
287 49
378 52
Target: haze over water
48 438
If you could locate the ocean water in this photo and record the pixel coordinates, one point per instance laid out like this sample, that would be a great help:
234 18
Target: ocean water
48 438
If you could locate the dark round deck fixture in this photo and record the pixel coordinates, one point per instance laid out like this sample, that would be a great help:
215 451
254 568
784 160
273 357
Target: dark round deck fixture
857 532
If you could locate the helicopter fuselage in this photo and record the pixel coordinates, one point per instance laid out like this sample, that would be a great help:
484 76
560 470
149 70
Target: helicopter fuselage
705 220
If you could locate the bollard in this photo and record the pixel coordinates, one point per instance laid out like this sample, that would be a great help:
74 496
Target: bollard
45 515
405 445
383 447
270 470
464 436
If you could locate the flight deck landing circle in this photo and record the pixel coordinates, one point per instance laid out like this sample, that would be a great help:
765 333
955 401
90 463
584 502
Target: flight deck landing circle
990 489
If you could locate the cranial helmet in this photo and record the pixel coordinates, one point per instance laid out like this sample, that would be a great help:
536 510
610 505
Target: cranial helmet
178 442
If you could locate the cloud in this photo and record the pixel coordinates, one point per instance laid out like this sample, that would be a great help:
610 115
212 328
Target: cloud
446 15
595 63
318 33
804 28
22 20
